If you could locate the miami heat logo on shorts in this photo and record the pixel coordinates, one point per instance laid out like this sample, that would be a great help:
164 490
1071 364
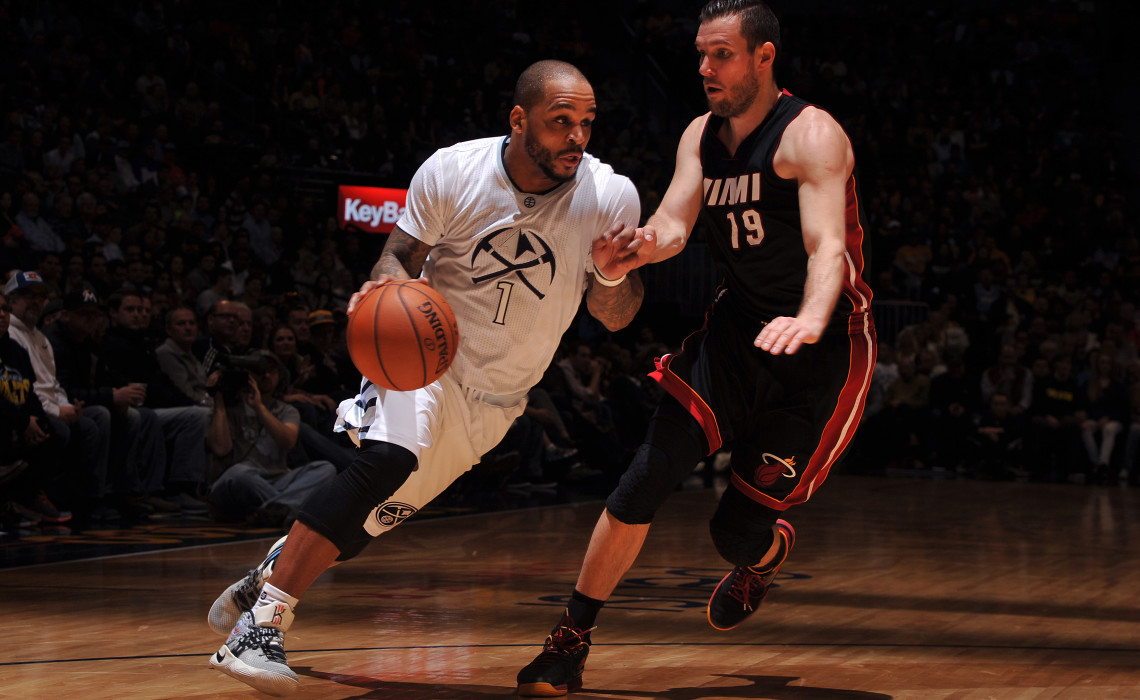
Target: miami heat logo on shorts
772 469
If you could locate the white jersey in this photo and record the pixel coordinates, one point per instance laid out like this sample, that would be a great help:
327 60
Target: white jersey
511 264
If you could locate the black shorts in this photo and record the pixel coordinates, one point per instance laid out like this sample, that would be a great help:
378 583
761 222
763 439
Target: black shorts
787 418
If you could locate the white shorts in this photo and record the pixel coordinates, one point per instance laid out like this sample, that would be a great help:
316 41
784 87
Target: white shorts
447 426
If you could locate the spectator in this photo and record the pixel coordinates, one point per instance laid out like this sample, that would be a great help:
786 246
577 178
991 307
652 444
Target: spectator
33 457
250 436
85 431
243 336
1010 378
317 410
137 458
217 343
1054 428
220 289
954 406
1128 468
126 359
1106 412
178 362
1000 439
905 404
37 231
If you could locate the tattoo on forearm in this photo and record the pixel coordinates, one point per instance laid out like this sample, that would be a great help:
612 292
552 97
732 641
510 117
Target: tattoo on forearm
616 306
403 256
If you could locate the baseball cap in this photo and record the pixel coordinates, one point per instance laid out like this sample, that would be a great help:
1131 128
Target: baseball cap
22 280
78 298
320 316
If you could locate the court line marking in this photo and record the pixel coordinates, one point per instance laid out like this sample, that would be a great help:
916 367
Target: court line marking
428 647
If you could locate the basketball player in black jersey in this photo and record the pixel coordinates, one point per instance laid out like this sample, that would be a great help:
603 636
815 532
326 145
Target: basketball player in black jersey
780 371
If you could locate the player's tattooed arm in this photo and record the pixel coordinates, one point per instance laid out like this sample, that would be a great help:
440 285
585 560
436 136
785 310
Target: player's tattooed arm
616 306
403 257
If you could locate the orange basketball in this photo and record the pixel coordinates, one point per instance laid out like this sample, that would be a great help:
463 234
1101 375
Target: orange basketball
402 335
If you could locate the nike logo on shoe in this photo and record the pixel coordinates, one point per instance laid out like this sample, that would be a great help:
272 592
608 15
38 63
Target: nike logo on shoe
221 655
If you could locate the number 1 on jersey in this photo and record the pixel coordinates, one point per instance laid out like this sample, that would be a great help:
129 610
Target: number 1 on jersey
755 235
504 299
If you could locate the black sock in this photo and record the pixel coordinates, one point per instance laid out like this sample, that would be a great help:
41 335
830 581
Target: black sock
583 609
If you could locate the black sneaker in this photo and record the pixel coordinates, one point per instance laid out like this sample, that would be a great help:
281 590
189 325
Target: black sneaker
558 669
739 594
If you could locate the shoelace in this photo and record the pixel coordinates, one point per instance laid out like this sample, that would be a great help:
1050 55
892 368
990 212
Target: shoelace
564 641
265 639
246 594
744 587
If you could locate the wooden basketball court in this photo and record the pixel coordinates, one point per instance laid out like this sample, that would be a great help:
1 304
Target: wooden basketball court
896 589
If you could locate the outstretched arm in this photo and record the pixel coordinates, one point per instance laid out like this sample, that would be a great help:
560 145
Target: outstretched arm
673 221
817 154
621 250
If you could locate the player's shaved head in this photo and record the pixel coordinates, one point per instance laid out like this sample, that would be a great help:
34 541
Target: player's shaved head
531 86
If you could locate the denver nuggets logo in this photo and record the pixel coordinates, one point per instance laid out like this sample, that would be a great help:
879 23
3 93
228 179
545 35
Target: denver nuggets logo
767 473
392 514
515 253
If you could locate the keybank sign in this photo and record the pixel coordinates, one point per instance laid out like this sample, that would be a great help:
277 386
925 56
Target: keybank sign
372 209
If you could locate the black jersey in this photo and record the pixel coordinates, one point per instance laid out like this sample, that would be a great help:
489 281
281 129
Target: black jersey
755 233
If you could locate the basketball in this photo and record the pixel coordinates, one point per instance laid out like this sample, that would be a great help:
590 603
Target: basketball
402 335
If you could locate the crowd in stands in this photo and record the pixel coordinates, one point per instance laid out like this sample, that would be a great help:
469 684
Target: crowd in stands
157 250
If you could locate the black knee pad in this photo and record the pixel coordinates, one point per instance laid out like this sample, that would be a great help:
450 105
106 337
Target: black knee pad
673 445
339 509
741 528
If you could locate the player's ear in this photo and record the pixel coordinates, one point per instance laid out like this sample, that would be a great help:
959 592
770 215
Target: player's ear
765 56
518 116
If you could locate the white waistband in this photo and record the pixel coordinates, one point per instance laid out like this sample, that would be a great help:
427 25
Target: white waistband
500 400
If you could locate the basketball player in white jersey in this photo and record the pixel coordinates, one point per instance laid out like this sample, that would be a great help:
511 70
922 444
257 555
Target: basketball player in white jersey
512 231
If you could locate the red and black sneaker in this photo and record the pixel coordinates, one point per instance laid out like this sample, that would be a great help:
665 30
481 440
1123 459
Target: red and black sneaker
558 669
50 514
739 594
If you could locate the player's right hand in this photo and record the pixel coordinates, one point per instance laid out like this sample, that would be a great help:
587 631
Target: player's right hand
373 284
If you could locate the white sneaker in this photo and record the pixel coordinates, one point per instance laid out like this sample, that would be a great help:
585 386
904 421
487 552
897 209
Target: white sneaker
241 596
255 651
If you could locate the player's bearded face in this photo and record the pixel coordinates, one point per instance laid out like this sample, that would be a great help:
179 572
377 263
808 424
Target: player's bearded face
736 99
546 160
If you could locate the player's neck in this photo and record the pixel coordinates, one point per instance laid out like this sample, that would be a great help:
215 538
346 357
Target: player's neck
736 129
524 174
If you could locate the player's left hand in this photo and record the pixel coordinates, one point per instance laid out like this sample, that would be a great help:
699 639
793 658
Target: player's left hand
622 249
785 334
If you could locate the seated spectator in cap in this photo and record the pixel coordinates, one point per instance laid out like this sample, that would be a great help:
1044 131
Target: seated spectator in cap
251 434
33 457
137 463
325 378
86 431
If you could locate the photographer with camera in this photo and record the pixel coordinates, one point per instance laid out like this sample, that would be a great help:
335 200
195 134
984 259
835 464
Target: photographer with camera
250 436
